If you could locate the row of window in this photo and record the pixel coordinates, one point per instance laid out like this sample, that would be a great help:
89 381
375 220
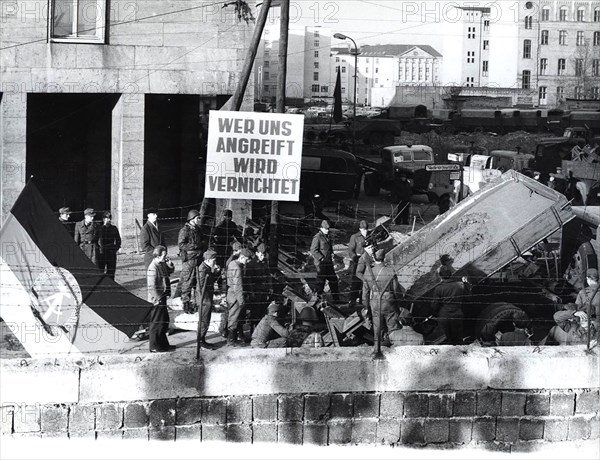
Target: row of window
322 89
578 92
564 16
562 37
580 67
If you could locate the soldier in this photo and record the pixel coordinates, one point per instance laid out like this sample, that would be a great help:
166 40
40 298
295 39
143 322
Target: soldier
307 333
380 294
64 216
159 290
236 294
224 235
191 248
321 249
404 334
403 192
365 263
150 236
270 333
259 285
585 302
237 249
355 251
86 235
447 305
109 244
208 272
571 327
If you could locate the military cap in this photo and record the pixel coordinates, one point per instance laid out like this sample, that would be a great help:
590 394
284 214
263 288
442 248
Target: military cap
106 214
89 212
275 307
227 213
192 213
210 254
308 314
65 210
152 211
324 224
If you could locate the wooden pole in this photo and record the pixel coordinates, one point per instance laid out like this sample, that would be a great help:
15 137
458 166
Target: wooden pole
238 96
280 107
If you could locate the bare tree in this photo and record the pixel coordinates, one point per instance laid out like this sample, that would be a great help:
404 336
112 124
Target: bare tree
584 81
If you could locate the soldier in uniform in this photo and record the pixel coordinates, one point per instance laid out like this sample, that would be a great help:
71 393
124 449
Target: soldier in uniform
321 249
381 293
150 236
259 283
159 290
63 218
236 294
109 244
224 234
355 251
191 248
87 234
270 333
365 263
237 249
447 305
208 272
404 334
586 303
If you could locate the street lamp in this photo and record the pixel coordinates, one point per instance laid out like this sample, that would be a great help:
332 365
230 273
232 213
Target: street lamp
344 37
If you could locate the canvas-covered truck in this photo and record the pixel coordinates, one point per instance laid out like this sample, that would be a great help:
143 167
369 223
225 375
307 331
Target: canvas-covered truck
487 232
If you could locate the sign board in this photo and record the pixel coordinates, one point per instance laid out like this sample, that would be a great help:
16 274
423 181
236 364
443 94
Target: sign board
453 167
254 155
455 156
454 175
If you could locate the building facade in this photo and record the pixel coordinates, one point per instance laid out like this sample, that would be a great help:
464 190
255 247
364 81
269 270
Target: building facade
102 101
559 46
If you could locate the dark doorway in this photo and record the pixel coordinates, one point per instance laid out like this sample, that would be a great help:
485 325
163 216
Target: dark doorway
69 148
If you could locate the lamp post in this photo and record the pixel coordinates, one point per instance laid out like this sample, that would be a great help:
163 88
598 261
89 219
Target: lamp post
344 37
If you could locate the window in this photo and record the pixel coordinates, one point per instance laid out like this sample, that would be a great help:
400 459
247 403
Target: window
560 93
343 69
366 70
376 69
366 81
544 37
267 63
486 24
471 32
316 64
597 14
367 60
470 57
317 55
545 13
315 76
580 14
376 60
595 93
337 58
578 67
78 20
343 89
266 76
562 37
316 43
377 80
316 34
528 22
595 67
578 93
486 44
526 81
527 49
562 13
315 88
596 38
543 94
580 38
266 88
543 66
324 89
484 68
562 66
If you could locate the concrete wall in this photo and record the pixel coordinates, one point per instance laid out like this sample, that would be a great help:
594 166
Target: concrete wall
519 398
152 47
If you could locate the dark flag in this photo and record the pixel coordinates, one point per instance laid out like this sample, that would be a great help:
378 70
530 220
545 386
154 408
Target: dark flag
54 299
337 98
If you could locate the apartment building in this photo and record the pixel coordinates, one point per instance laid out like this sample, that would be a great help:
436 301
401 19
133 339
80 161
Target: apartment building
559 50
101 101
308 65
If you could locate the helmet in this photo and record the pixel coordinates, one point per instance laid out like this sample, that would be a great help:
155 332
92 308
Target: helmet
308 314
192 213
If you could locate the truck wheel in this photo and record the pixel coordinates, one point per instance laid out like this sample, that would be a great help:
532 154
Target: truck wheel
495 317
371 184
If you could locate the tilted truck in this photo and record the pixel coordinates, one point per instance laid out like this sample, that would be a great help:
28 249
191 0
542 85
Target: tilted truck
486 234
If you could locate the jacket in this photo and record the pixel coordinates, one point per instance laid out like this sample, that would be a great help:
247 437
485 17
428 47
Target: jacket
159 284
356 246
321 248
207 277
150 237
110 239
86 234
268 328
235 283
364 262
382 279
449 294
223 235
191 245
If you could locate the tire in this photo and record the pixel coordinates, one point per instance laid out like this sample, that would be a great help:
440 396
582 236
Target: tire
495 317
371 184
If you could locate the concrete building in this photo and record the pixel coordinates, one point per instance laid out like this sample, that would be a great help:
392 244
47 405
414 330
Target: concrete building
308 63
381 68
559 50
102 101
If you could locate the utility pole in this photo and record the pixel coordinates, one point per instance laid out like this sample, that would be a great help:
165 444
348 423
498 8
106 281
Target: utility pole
280 107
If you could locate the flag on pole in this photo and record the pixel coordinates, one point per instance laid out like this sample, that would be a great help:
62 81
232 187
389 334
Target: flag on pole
337 98
53 298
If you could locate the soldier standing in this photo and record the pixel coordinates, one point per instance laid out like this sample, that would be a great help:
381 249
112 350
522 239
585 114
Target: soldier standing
191 248
447 303
63 218
381 293
355 251
365 263
159 290
150 236
109 244
224 234
86 235
259 283
236 294
321 249
208 272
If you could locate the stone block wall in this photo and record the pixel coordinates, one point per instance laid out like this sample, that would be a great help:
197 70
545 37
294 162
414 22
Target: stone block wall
502 420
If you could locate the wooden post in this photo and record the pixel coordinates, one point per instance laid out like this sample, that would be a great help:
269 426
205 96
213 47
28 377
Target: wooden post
280 107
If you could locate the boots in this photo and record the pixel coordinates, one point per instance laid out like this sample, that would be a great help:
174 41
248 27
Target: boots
187 307
232 339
